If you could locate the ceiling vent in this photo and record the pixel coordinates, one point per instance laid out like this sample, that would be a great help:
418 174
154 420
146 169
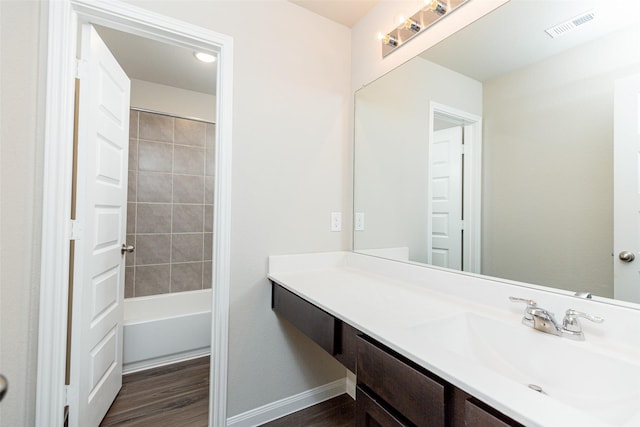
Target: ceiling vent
571 24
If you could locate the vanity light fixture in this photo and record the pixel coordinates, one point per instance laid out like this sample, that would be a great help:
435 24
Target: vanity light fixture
412 25
431 12
204 57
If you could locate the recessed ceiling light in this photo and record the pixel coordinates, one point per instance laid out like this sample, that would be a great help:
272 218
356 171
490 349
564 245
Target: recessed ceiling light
204 57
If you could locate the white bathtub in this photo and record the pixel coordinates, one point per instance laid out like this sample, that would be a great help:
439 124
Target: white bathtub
163 329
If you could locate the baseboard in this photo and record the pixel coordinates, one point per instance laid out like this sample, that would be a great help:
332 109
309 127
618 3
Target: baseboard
157 362
288 405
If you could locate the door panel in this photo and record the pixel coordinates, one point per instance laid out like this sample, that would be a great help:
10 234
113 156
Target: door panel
445 166
103 138
626 188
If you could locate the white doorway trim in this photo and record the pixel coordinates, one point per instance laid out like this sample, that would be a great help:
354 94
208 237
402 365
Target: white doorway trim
64 16
472 182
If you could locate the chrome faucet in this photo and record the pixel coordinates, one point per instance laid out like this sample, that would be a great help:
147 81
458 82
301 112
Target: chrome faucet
542 320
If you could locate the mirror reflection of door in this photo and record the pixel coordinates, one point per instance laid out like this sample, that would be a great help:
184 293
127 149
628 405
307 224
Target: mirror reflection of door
445 248
626 197
454 182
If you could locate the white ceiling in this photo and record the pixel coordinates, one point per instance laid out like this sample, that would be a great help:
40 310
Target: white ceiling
514 35
157 62
345 12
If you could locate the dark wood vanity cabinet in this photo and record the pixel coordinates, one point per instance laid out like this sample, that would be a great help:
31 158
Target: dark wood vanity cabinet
391 390
333 335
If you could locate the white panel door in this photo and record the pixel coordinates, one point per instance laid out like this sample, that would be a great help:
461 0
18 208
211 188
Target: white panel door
445 166
626 193
103 142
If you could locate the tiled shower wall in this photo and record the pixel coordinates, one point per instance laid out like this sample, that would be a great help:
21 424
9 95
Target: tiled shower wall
170 204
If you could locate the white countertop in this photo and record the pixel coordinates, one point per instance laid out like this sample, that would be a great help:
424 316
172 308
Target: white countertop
389 300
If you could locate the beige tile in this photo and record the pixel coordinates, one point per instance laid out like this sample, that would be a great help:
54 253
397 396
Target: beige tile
152 280
188 189
188 160
129 277
208 246
208 218
130 258
188 218
186 276
155 127
186 247
133 155
209 169
153 218
208 190
211 135
189 132
207 274
155 156
133 124
154 187
132 185
153 249
131 218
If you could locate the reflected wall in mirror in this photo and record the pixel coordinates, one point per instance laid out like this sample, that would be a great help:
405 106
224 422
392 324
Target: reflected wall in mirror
530 197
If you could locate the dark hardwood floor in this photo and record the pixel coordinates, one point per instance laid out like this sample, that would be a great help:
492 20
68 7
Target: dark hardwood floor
178 395
336 412
173 395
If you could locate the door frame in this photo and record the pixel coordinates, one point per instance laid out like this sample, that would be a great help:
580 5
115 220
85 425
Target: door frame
64 17
472 183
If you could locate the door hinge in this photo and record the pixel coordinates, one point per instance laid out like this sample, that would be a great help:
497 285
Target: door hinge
462 224
76 230
66 394
81 69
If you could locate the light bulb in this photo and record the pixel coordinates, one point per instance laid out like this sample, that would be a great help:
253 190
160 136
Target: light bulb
412 25
204 57
437 7
390 40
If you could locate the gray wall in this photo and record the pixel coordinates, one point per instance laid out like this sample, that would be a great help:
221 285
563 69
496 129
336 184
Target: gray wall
20 206
548 168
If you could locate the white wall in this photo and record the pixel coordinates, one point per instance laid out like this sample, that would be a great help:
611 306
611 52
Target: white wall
548 167
172 100
392 143
291 114
20 206
292 108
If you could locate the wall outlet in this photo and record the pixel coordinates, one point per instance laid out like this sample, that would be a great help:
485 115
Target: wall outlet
359 221
336 221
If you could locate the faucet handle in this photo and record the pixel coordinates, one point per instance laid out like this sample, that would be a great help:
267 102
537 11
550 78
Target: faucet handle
571 325
530 303
572 315
527 318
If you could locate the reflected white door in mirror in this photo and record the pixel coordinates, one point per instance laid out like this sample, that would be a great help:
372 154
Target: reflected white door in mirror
454 183
626 236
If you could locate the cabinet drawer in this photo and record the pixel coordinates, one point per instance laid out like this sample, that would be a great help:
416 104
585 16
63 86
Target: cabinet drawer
370 413
416 396
476 414
317 324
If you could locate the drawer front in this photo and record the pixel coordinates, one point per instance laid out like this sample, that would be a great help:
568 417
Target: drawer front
317 324
416 396
370 413
346 353
475 415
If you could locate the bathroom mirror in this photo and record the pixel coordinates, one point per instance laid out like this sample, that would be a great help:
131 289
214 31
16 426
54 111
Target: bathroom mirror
493 151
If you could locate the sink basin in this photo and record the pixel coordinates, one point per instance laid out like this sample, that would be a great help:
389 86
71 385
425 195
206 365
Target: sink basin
602 385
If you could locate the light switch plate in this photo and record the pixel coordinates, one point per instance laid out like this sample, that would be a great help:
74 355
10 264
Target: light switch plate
359 221
336 221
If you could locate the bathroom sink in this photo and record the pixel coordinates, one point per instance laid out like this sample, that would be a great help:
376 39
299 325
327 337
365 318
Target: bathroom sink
602 385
